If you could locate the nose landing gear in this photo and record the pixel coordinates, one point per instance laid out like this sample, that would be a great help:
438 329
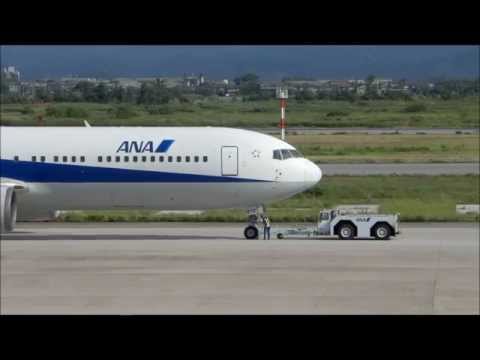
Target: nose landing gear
251 231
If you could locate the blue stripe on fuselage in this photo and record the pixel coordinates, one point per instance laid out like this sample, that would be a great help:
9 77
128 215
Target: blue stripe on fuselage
57 173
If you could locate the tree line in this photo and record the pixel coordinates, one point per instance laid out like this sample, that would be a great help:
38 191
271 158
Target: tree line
248 86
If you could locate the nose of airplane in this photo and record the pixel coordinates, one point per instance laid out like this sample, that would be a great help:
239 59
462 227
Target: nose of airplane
313 173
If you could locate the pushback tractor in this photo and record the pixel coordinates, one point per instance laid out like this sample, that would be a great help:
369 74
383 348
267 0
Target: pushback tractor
346 226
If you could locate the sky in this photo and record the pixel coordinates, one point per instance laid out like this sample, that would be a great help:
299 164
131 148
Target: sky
269 62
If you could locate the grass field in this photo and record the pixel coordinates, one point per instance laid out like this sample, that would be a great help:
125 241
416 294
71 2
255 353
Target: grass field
348 148
433 113
399 148
416 198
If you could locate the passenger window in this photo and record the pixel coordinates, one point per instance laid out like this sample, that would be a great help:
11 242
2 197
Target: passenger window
205 158
277 155
34 158
74 159
179 159
144 158
42 158
152 158
196 158
125 158
15 158
117 158
55 158
65 159
109 159
100 159
82 158
135 158
286 154
187 158
170 159
161 158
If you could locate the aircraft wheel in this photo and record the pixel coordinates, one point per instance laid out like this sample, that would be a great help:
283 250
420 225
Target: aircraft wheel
251 232
280 236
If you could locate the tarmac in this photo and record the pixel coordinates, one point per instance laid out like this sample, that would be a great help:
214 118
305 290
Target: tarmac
190 268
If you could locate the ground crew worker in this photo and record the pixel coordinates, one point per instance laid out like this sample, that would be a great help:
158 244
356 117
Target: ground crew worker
266 227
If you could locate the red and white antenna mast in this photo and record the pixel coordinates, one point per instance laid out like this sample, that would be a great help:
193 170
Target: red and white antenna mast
282 94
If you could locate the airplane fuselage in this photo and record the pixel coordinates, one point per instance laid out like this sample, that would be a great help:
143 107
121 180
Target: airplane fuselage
170 168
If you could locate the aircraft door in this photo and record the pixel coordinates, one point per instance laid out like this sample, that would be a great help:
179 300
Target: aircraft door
229 160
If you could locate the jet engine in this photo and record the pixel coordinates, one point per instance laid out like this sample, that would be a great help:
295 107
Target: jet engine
8 208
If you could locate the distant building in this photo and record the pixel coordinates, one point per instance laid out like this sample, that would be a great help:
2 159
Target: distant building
147 79
75 79
26 89
14 88
193 81
340 85
126 82
224 88
172 82
268 89
53 86
361 90
232 92
11 74
30 88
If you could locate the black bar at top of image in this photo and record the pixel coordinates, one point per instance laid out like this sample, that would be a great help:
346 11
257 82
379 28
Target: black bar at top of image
262 37
276 27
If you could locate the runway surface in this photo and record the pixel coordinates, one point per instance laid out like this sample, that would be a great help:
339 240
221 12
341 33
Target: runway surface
401 169
184 268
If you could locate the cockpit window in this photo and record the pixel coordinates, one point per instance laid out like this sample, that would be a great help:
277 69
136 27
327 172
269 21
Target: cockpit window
283 154
277 155
286 154
296 153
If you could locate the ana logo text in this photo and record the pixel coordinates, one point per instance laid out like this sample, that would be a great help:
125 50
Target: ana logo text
144 146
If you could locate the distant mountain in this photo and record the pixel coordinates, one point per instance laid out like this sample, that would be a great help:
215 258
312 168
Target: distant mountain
269 62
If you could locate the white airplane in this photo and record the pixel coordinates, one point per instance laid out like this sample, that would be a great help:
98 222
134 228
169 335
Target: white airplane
45 169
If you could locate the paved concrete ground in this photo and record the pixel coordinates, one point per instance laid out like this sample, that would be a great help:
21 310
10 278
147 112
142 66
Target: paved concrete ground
401 169
210 269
